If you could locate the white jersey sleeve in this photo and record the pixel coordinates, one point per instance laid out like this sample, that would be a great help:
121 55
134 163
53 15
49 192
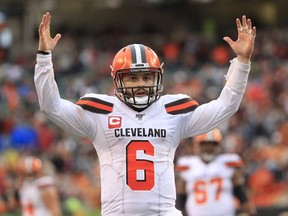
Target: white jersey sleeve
209 115
64 113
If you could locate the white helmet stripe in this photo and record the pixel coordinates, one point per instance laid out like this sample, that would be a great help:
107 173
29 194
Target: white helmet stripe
28 164
138 54
209 135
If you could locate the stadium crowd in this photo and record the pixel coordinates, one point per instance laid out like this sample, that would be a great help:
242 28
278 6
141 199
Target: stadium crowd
195 64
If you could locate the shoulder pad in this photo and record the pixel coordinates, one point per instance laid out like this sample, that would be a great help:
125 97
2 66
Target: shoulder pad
236 164
181 106
45 181
233 160
95 105
181 168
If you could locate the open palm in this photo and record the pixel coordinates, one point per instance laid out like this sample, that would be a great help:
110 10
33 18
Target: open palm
46 42
244 45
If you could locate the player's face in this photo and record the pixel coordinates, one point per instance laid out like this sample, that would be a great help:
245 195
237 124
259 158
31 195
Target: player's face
208 151
141 80
208 147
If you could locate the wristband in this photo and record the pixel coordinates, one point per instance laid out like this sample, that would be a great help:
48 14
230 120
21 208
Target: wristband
240 193
43 52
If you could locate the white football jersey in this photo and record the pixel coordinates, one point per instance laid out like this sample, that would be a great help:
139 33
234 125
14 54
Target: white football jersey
135 149
30 196
209 187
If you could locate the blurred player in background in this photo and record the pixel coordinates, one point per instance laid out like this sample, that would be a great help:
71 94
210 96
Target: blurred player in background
208 182
38 193
137 131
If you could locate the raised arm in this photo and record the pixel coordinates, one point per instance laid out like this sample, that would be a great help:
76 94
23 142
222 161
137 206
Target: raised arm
210 115
64 113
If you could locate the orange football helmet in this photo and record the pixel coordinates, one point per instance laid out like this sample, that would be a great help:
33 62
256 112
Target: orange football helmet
30 165
134 59
209 144
214 135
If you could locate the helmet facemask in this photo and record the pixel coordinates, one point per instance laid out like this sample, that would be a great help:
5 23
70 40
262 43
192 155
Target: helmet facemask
129 94
209 151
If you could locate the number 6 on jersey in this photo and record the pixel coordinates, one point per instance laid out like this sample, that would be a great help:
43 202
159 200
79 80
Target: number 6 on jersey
140 172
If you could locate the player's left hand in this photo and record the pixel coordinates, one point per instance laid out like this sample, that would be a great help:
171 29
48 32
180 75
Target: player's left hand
244 45
46 42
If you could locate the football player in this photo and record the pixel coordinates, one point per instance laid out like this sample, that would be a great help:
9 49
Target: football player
208 183
136 132
38 193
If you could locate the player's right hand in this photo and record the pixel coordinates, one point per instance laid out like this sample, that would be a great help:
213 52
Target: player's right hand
46 42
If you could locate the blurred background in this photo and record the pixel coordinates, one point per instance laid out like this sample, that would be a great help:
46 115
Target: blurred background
187 36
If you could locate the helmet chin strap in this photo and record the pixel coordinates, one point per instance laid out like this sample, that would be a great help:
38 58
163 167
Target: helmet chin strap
140 101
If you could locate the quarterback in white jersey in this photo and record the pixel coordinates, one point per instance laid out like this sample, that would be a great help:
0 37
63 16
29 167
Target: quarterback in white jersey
211 180
38 194
136 133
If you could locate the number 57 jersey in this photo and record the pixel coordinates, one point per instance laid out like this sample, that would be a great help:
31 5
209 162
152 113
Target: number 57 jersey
209 186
